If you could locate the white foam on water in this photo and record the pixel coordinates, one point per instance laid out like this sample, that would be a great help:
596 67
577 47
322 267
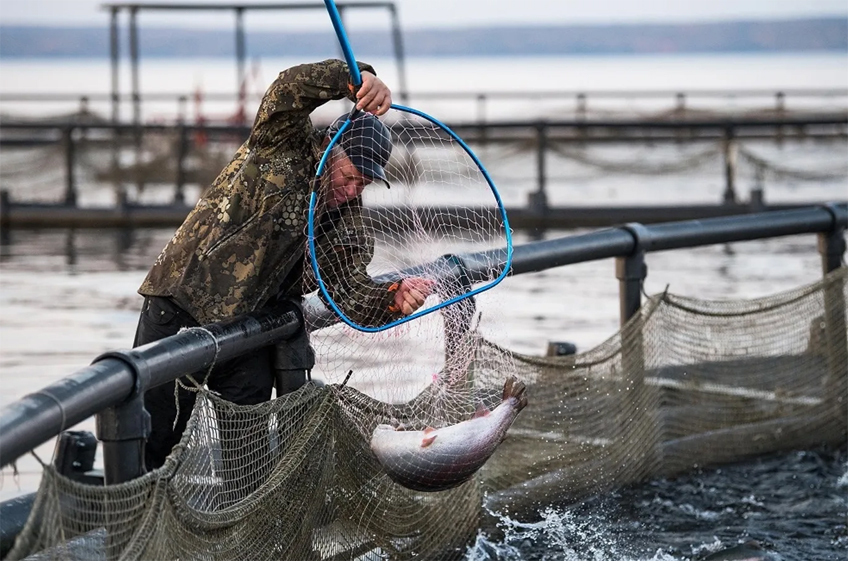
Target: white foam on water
843 479
564 535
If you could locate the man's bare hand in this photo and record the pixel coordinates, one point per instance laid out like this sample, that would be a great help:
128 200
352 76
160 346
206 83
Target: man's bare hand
411 294
373 96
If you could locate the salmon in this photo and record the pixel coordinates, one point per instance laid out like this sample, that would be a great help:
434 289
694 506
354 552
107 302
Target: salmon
439 459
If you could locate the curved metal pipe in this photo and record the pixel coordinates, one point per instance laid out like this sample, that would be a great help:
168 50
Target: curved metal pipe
116 377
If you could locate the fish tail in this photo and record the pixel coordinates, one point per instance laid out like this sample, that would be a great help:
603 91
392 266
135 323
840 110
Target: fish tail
515 388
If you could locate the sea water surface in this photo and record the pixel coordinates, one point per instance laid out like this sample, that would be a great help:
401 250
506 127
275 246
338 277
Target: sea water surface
66 296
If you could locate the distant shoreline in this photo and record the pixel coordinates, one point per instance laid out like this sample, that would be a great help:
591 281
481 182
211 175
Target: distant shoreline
458 56
819 35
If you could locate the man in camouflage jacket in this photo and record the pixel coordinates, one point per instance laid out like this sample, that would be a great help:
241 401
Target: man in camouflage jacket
242 247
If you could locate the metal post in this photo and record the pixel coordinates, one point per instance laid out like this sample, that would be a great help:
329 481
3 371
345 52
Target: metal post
581 106
241 87
680 113
780 102
294 359
5 231
780 110
541 150
122 203
134 61
832 249
83 108
136 95
114 56
481 109
70 180
123 430
397 40
481 116
631 272
581 116
538 201
71 253
182 151
182 111
114 52
730 152
757 200
638 399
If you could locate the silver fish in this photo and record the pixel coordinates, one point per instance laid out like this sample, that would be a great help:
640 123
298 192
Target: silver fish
439 459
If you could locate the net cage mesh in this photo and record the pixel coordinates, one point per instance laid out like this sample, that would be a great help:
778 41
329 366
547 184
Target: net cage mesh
685 383
429 201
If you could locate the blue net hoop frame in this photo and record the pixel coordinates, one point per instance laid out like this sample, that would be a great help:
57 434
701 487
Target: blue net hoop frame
313 203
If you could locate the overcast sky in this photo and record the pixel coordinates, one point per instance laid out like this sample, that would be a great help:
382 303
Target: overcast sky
439 13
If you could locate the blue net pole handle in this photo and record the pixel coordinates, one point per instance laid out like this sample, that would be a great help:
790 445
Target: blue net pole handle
336 18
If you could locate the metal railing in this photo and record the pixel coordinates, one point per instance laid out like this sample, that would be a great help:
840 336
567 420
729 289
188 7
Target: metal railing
72 137
113 386
115 377
679 102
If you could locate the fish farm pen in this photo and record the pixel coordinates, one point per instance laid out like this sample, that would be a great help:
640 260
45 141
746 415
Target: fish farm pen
95 139
93 143
685 383
170 155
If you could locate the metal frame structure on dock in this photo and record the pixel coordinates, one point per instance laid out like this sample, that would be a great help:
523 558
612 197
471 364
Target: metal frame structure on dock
238 10
536 215
113 386
678 108
36 418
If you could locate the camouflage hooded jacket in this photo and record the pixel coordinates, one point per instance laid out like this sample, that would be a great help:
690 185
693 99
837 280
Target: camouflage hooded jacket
248 232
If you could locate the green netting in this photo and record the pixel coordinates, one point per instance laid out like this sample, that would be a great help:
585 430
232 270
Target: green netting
685 383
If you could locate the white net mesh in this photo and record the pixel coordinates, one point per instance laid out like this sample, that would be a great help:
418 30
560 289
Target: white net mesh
440 203
685 383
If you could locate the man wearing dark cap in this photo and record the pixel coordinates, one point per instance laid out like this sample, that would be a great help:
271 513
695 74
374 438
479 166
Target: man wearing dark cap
242 248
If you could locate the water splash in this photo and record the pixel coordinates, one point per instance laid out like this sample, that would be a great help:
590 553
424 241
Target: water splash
843 480
704 549
560 535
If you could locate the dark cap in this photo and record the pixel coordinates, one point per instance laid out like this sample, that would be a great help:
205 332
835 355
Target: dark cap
367 142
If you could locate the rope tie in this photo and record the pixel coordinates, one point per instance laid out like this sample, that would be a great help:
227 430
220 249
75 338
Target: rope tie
37 459
196 387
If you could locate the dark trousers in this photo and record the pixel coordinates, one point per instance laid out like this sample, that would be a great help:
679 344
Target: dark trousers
245 380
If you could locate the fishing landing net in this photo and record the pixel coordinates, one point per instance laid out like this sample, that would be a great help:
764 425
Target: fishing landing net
686 383
431 198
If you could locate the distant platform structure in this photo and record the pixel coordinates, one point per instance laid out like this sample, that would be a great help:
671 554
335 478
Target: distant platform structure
123 155
95 143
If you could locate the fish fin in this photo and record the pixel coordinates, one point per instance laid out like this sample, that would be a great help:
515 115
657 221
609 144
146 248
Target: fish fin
428 430
514 388
481 411
428 440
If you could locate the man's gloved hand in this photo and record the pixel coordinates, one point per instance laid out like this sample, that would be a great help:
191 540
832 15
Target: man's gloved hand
411 293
